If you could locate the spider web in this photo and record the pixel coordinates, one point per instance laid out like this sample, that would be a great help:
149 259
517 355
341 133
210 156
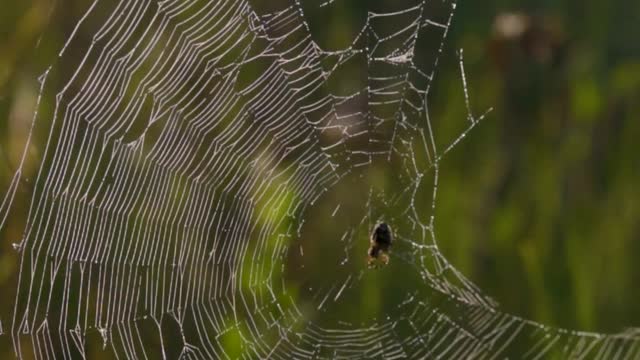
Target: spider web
194 152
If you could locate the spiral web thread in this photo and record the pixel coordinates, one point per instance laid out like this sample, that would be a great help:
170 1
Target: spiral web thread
185 149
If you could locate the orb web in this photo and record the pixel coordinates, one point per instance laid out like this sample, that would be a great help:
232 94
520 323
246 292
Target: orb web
196 151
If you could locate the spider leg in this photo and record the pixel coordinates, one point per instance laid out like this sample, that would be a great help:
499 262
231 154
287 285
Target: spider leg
371 262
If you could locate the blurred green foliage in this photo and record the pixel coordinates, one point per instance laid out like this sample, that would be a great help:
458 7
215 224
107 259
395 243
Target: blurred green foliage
539 206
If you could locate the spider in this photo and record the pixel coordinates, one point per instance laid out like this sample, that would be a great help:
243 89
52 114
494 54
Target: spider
381 239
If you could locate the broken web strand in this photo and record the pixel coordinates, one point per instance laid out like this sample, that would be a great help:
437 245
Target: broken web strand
147 218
